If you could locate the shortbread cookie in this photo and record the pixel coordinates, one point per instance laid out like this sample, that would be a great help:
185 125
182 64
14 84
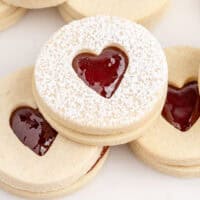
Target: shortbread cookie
33 4
174 139
9 15
103 77
145 12
48 165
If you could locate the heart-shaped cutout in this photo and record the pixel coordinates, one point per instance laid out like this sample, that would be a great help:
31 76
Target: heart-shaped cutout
32 129
102 73
182 107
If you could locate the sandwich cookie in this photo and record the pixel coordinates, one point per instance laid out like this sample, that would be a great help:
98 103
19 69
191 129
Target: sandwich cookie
34 4
100 79
36 162
9 15
145 12
172 144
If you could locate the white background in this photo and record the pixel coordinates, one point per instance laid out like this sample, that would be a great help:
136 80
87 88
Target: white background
122 177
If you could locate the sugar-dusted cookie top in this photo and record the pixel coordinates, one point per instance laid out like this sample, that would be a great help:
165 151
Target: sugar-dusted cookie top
69 98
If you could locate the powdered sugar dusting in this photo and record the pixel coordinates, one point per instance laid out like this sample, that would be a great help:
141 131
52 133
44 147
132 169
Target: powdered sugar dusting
68 96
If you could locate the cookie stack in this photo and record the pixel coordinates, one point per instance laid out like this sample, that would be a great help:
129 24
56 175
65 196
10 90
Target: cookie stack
98 82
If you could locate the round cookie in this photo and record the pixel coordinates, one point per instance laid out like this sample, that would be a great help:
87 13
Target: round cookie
145 12
174 138
54 166
9 15
34 4
75 92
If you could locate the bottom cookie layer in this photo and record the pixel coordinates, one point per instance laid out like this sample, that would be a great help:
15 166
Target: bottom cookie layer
174 170
50 195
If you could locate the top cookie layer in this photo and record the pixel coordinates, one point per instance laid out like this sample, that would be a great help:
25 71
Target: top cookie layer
67 96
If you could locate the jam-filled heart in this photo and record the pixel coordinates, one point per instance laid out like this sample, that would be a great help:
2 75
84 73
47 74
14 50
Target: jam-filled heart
32 129
182 107
102 73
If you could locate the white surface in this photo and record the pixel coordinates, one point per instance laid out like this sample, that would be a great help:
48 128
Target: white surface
123 177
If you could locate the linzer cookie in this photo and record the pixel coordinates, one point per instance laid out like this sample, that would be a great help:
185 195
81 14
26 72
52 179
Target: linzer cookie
36 162
172 144
9 15
33 4
145 12
101 80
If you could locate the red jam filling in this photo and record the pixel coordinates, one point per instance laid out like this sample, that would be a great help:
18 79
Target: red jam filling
182 107
102 73
103 152
32 129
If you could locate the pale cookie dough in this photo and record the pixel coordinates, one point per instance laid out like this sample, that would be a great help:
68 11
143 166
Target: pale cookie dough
145 12
9 15
70 103
164 143
34 4
64 168
175 170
